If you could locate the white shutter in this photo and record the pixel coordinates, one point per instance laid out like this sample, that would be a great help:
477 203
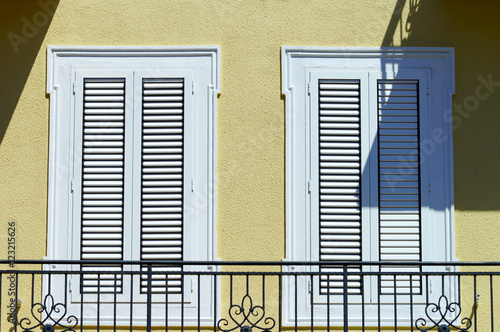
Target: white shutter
399 180
102 178
339 180
162 180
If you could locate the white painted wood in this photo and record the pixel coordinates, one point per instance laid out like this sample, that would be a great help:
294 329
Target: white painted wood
72 64
400 125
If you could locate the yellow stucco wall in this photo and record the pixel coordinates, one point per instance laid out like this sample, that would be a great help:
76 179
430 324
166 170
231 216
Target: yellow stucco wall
250 109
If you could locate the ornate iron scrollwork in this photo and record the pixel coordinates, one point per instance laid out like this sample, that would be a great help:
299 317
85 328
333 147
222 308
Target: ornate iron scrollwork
246 314
443 323
54 313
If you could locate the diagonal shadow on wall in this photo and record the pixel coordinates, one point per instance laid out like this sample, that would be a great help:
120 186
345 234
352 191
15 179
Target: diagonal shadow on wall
472 29
23 27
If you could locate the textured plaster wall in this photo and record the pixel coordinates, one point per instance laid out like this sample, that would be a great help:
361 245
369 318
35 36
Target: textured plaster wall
250 121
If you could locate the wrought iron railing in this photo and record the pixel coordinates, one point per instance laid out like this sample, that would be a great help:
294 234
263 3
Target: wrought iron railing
249 296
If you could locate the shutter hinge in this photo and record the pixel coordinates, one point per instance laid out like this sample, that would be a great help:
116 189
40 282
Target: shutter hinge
69 285
72 186
309 186
192 185
309 286
192 86
74 87
192 286
309 88
428 91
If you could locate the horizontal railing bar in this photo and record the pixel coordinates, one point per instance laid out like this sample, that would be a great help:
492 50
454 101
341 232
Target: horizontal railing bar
247 263
220 273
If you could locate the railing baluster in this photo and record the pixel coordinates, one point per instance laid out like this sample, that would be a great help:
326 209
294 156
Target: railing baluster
65 290
149 298
32 289
17 297
395 305
166 304
115 282
362 302
1 275
198 284
491 301
264 291
379 290
295 302
182 302
475 304
280 299
327 301
427 290
230 290
98 301
411 302
459 289
346 313
312 300
82 294
215 302
132 298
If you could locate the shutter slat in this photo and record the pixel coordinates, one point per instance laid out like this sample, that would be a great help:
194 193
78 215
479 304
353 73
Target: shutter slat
152 92
149 86
174 235
91 138
342 237
160 223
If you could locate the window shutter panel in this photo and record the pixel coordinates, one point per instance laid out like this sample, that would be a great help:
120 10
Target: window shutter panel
399 179
162 179
102 178
339 179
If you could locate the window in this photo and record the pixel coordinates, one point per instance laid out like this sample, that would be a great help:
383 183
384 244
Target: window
369 167
132 167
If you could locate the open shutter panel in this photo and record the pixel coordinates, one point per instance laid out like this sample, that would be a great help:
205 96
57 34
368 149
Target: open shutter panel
399 180
102 182
339 180
162 180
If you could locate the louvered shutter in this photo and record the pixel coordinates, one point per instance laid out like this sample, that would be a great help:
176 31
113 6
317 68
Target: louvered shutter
102 178
339 180
340 177
399 180
162 180
104 165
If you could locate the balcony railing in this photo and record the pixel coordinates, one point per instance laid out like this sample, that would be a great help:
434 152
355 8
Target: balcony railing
249 296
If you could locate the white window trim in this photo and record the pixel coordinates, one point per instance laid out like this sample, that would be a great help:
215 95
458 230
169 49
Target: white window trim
200 62
297 65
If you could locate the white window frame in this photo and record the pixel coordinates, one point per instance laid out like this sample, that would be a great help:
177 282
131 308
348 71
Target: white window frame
201 64
301 67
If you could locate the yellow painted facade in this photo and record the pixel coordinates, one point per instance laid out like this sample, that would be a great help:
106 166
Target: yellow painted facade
250 108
